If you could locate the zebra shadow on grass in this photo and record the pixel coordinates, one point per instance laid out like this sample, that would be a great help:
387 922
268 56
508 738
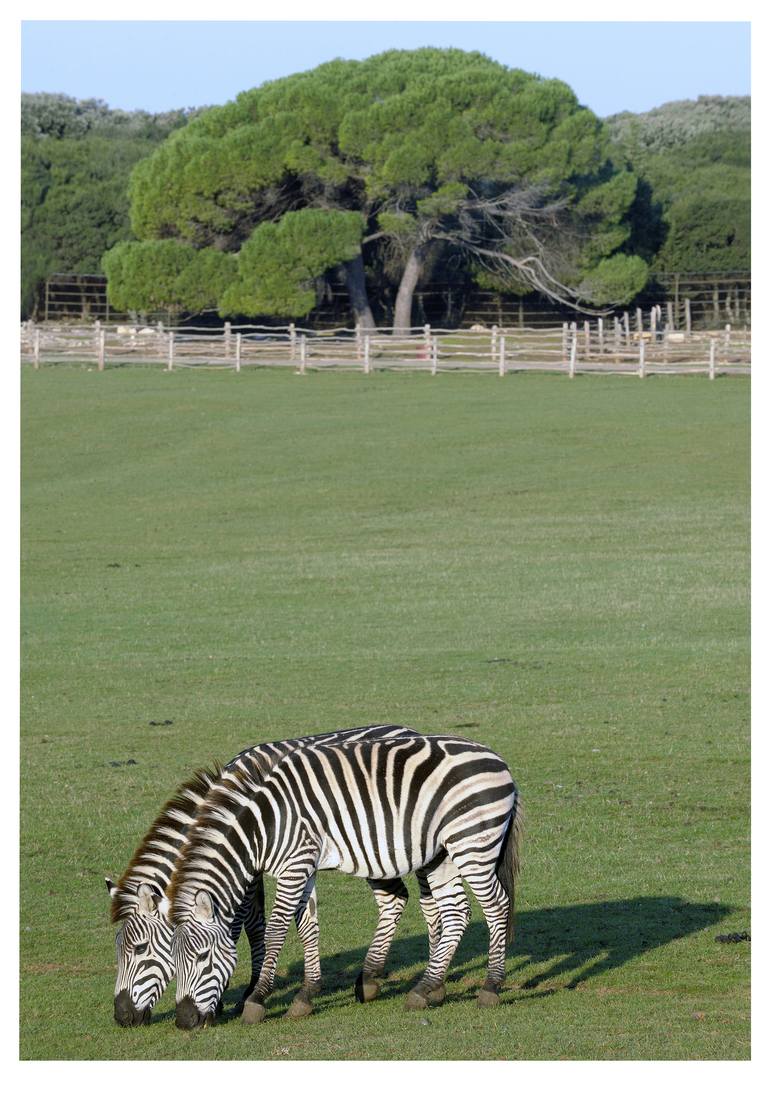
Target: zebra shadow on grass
554 949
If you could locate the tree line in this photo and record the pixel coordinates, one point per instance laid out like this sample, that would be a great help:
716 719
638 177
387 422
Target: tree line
408 166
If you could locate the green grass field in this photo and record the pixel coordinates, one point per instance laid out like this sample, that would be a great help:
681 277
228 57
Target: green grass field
558 568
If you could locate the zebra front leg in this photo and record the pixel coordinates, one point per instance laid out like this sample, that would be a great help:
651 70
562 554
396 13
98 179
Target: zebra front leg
290 887
306 917
391 896
454 909
251 916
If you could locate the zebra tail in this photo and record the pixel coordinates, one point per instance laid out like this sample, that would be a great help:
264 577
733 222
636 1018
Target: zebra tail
509 863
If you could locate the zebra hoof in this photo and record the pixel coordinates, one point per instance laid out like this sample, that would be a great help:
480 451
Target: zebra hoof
253 1012
366 989
416 1001
436 997
487 998
299 1008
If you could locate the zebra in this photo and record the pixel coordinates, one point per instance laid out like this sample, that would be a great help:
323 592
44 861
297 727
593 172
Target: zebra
145 962
374 809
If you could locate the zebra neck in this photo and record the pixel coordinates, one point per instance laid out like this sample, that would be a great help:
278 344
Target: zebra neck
156 858
226 853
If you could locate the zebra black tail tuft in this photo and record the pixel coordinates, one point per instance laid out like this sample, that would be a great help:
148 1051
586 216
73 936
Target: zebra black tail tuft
509 863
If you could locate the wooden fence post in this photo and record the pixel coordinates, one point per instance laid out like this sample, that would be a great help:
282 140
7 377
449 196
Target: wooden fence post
228 343
238 338
728 335
501 368
302 354
642 366
639 321
616 336
434 357
170 367
627 327
367 355
36 347
587 337
687 317
573 355
712 358
564 344
100 358
293 342
676 299
494 340
670 314
600 328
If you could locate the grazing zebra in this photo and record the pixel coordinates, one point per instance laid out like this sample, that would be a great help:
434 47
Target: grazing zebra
375 809
143 939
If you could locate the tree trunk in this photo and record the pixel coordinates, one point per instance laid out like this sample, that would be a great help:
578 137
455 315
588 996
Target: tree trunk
355 281
402 318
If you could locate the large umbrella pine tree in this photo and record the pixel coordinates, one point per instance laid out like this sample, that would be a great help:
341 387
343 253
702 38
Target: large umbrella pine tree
395 159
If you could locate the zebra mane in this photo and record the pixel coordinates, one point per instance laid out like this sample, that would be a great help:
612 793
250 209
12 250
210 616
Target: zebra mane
158 849
224 800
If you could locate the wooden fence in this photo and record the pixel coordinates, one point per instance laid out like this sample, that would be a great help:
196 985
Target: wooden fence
620 345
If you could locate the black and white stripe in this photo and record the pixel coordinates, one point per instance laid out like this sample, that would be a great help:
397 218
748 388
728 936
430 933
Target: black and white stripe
143 940
377 809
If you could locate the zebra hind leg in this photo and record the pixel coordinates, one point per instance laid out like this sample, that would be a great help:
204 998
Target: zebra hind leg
454 909
430 912
391 897
493 900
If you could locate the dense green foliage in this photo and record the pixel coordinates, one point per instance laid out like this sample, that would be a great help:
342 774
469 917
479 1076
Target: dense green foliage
432 149
76 159
147 276
678 122
278 262
695 157
315 140
556 568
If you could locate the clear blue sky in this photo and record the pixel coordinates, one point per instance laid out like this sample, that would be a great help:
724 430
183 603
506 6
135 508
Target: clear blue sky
161 65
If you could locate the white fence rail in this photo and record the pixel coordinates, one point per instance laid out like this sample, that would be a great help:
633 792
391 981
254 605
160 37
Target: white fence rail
598 347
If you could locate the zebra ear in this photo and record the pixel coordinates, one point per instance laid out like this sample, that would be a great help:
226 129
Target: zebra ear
111 887
164 907
204 907
146 899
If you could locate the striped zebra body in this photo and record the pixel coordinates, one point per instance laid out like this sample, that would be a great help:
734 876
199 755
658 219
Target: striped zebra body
143 940
377 810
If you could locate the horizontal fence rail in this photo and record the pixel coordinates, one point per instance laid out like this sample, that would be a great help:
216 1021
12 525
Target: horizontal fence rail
625 345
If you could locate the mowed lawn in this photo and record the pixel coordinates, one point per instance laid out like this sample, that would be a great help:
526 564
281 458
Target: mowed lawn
557 568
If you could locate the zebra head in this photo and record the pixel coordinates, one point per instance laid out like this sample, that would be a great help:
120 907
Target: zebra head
204 958
145 960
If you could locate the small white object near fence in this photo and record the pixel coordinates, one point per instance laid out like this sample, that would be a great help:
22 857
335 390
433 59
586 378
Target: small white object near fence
499 350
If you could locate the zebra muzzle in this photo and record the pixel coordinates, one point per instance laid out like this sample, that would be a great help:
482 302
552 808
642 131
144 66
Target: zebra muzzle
126 1013
189 1016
